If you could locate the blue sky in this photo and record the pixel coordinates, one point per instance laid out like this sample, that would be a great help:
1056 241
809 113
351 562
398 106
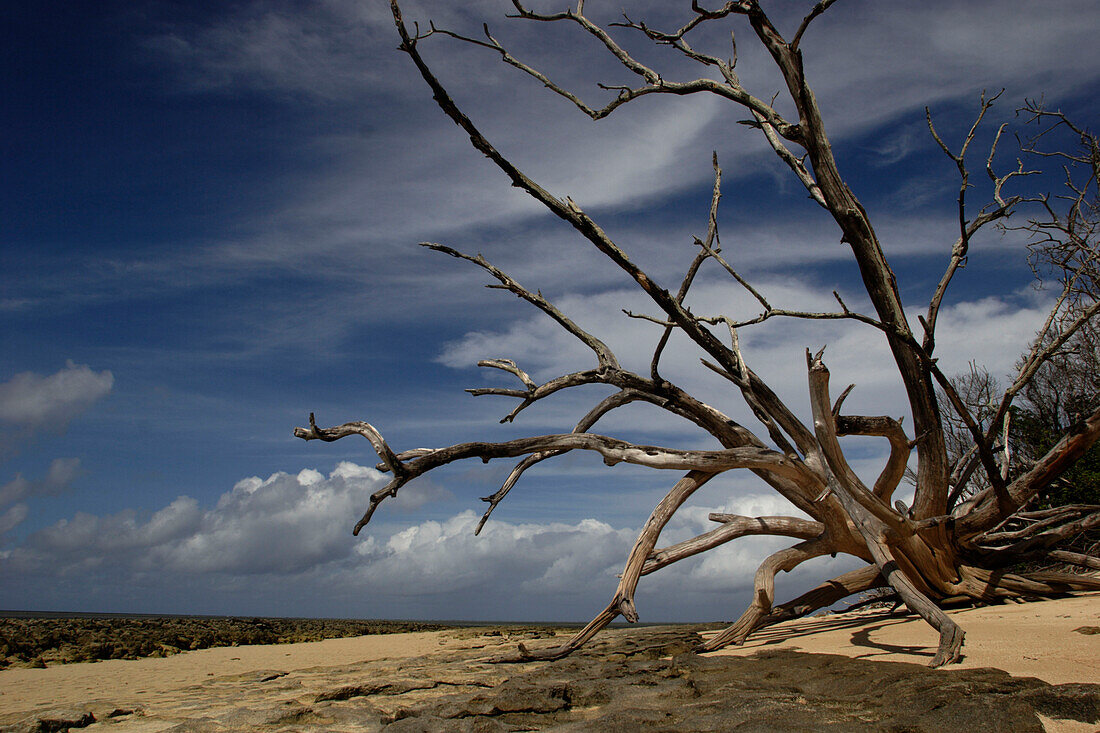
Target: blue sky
208 223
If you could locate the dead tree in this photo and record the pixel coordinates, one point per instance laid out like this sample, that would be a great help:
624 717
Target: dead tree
931 553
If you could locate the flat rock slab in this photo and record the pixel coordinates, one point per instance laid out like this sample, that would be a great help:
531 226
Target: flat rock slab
627 680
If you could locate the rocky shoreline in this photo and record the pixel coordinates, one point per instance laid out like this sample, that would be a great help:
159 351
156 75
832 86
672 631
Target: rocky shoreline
627 680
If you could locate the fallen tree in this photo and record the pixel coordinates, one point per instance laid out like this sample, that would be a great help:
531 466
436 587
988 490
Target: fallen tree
951 544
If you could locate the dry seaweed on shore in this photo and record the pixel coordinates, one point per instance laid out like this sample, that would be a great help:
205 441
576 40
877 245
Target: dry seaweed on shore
30 641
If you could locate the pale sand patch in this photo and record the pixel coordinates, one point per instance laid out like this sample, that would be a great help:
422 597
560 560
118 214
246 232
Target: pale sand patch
1025 640
147 681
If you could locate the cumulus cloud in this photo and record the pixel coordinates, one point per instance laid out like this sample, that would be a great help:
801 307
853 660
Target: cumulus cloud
30 404
288 523
569 570
279 525
445 557
34 402
294 526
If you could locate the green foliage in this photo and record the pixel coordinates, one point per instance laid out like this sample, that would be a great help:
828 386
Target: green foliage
1064 391
1032 437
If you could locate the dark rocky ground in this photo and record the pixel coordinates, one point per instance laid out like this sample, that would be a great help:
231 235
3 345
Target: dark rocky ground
31 641
627 680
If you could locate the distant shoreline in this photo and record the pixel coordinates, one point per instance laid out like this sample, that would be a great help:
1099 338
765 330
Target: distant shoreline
445 623
45 638
39 639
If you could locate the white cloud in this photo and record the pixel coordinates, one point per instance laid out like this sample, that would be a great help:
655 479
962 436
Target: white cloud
433 558
12 518
34 402
278 525
992 331
61 474
338 50
407 173
30 404
295 526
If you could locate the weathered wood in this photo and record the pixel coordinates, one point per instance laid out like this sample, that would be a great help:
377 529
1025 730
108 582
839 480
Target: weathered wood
937 551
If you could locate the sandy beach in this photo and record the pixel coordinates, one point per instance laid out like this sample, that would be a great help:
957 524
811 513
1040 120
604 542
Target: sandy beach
147 681
1025 640
294 686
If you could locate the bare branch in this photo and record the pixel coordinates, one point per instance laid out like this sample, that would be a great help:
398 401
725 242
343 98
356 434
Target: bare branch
733 527
983 443
606 359
987 513
390 460
817 10
826 430
764 591
1052 536
605 406
622 602
613 451
708 245
967 229
795 163
824 595
1033 525
654 83
900 447
509 366
529 397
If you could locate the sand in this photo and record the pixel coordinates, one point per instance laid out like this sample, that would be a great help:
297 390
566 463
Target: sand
1025 640
153 680
1031 639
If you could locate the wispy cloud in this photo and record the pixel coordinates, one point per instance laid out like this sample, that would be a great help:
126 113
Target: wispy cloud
31 403
327 50
58 479
993 331
369 192
37 402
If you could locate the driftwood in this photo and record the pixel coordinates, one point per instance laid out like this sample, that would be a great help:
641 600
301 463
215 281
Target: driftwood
951 544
